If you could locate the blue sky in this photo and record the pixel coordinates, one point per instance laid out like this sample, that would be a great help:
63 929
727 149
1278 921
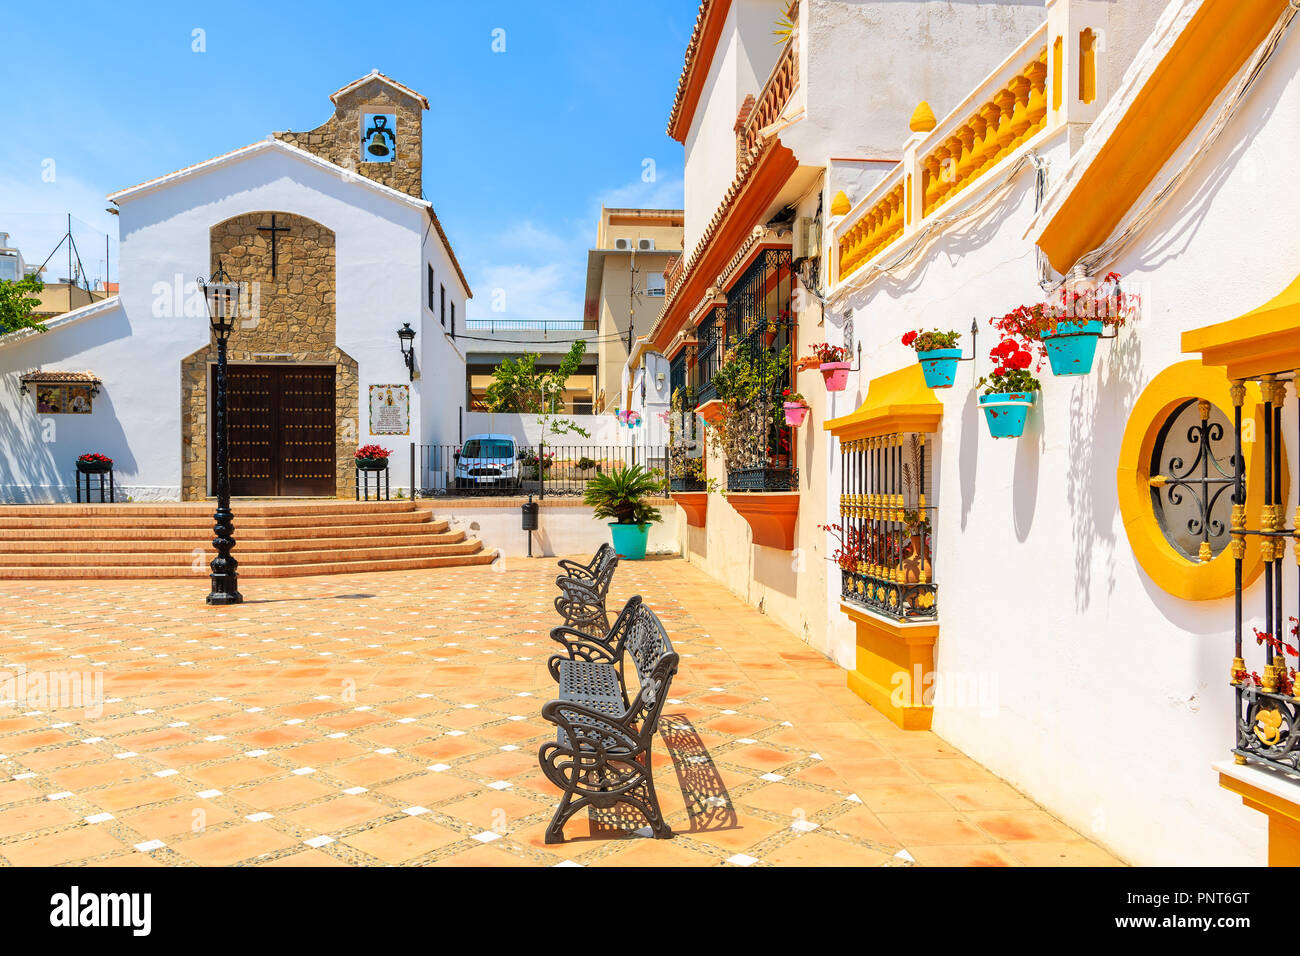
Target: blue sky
521 147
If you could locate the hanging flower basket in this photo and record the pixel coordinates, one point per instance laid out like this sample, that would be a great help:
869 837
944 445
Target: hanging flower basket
1009 391
1072 346
835 366
938 354
94 464
1006 412
795 413
1066 329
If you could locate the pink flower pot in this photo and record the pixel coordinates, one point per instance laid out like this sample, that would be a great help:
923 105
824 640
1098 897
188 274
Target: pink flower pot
795 414
836 375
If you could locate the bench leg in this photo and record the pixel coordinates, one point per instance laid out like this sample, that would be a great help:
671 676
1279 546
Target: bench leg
651 809
566 809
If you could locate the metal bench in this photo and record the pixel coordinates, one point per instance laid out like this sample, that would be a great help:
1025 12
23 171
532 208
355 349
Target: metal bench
601 754
583 590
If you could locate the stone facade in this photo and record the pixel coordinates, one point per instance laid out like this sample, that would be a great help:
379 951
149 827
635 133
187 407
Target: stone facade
288 318
339 138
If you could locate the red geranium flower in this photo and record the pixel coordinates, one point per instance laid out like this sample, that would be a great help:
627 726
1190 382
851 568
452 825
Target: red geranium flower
909 338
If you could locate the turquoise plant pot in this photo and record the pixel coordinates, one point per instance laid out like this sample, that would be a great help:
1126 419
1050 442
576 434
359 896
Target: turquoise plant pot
1071 349
630 539
1006 412
939 366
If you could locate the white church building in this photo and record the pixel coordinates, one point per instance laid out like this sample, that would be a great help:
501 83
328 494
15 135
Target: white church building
335 250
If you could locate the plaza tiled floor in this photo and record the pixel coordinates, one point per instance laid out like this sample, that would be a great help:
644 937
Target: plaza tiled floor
393 719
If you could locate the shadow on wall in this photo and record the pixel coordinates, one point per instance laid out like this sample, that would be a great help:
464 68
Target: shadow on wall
39 452
1107 396
968 454
1024 485
775 569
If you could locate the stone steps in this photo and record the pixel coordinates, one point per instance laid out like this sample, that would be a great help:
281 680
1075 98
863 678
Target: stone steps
274 539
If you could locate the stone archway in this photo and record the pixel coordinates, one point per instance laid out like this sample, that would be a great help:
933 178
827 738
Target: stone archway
287 316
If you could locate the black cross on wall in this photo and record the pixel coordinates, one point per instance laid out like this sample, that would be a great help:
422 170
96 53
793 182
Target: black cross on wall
274 230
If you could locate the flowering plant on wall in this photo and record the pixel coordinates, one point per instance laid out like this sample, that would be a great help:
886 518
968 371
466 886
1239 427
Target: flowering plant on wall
929 341
1065 330
1009 390
825 352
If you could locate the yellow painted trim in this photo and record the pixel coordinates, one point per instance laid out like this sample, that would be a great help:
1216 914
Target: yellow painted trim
1167 567
1283 819
1262 341
894 667
1214 45
897 402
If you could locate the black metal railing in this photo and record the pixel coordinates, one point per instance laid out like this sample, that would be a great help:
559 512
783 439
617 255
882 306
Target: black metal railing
502 469
1268 712
886 551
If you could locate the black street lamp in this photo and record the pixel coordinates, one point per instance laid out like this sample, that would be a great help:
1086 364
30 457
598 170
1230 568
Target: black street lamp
406 335
222 298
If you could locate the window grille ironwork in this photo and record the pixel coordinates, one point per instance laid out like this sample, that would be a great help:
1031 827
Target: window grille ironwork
1193 469
711 340
1267 708
886 553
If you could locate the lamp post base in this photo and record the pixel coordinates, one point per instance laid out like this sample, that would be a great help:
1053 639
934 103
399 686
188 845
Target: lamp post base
225 597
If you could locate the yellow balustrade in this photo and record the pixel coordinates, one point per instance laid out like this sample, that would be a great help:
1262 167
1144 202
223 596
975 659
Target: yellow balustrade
1007 119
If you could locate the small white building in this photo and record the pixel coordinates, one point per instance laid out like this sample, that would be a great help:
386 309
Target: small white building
335 250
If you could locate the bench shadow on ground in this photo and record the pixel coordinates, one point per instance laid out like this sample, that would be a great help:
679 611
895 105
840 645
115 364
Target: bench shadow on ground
708 804
299 600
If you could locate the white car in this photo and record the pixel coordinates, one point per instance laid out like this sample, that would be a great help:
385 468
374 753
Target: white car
487 460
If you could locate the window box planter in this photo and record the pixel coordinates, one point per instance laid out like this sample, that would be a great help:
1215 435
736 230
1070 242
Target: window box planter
94 467
939 366
1006 412
770 516
1070 349
695 504
372 464
768 478
795 414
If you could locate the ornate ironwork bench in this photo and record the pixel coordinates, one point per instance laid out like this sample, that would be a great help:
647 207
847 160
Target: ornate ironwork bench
583 590
601 754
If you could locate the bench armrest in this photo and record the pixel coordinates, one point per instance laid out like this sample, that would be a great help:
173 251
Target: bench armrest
581 646
576 570
591 730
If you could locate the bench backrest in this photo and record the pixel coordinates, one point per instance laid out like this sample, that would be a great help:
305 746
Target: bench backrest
603 573
647 644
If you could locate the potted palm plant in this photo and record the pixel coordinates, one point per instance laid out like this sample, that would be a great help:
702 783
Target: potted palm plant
621 495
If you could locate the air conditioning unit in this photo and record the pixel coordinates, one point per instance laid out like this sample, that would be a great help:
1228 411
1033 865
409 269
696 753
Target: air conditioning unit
623 245
807 242
645 245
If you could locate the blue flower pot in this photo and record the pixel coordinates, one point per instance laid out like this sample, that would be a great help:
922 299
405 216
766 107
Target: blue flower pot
630 539
939 366
1006 412
1070 350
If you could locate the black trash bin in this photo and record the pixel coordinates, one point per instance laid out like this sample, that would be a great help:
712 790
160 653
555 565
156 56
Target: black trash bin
528 511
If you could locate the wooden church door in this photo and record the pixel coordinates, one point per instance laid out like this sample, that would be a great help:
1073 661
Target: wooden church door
280 430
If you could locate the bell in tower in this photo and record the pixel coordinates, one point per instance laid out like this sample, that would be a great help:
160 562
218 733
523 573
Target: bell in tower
378 140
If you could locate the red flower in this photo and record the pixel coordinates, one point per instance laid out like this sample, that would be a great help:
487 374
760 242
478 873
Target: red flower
909 338
1020 359
372 451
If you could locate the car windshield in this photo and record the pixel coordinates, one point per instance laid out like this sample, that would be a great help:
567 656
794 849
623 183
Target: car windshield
488 448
